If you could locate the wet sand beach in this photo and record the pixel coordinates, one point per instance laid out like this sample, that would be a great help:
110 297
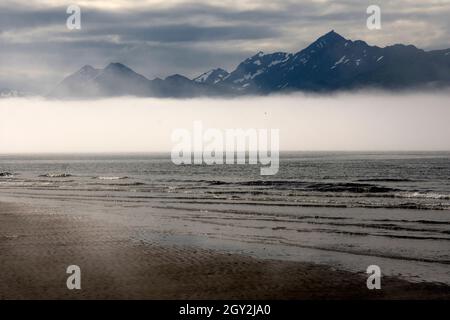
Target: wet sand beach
37 244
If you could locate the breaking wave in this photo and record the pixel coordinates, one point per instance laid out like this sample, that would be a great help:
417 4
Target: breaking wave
56 175
385 180
424 195
314 186
111 178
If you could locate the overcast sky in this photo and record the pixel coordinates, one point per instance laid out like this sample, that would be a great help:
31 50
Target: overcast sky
158 38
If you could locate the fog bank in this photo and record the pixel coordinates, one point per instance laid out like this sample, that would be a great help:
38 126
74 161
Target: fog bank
362 121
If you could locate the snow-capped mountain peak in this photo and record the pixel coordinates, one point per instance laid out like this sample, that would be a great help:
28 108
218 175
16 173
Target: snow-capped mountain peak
213 76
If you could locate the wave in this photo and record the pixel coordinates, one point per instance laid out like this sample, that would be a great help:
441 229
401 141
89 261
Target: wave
365 234
56 175
413 206
434 222
111 178
349 187
302 185
385 180
423 195
321 186
131 184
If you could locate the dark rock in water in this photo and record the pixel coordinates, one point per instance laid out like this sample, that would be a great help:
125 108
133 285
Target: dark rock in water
5 174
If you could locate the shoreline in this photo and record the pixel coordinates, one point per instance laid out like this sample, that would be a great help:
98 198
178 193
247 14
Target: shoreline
37 244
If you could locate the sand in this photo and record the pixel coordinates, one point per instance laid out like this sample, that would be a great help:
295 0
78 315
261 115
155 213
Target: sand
37 244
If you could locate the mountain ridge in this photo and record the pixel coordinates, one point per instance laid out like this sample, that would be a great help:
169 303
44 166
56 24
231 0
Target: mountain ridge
330 63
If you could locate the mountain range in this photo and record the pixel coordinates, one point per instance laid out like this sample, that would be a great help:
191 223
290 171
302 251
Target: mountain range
10 93
330 63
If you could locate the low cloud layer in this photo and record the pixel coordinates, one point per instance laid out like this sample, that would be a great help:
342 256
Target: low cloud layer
364 121
158 38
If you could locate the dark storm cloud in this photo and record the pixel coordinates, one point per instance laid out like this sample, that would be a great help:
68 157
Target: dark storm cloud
185 32
13 18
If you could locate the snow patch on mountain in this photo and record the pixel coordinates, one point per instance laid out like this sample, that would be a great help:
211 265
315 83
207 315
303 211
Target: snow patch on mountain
213 76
